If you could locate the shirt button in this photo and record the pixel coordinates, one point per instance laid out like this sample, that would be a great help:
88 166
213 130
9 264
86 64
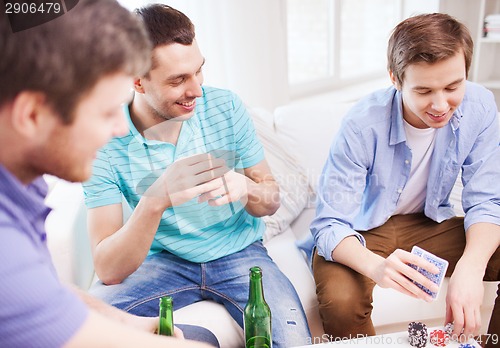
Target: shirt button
400 190
407 162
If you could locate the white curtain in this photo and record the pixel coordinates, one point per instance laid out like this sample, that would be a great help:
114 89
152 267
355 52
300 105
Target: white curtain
244 43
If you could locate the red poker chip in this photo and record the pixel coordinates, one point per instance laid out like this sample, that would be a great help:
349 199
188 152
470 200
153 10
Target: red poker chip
439 338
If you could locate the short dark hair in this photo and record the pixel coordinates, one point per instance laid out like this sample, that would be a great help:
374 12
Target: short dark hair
65 57
166 25
427 38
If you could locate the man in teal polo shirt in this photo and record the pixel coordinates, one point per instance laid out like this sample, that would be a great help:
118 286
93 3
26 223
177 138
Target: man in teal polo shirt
194 173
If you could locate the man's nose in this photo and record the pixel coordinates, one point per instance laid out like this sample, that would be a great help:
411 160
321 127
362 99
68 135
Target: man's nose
439 103
194 87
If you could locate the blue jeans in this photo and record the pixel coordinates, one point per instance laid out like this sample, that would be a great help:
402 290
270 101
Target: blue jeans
224 281
198 333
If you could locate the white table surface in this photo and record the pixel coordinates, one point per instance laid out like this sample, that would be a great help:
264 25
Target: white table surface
398 339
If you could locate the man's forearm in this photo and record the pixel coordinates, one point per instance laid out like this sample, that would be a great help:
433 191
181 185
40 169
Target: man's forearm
263 198
351 253
100 306
120 254
483 239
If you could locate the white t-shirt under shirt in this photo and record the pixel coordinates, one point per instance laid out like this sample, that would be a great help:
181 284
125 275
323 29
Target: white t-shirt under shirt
421 143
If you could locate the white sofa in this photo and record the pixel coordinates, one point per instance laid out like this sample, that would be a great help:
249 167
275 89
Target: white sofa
296 139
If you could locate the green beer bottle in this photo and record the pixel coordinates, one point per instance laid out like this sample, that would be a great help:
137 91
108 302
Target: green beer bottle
257 315
166 326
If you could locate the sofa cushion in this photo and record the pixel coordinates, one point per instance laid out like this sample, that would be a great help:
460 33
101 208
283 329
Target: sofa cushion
295 191
67 237
290 261
310 129
214 317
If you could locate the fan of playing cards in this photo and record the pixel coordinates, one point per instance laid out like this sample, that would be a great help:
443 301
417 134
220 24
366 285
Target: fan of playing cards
436 278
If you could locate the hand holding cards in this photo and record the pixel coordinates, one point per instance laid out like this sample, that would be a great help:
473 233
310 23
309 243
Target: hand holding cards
436 278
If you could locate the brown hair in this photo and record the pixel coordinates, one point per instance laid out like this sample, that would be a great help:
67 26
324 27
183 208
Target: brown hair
65 57
166 25
427 38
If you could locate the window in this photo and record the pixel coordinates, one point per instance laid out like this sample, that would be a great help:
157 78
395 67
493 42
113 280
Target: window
310 40
334 42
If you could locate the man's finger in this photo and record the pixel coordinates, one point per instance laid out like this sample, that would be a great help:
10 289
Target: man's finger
203 166
210 175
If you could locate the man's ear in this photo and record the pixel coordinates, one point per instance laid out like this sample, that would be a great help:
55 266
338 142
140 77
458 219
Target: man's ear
28 109
138 87
393 80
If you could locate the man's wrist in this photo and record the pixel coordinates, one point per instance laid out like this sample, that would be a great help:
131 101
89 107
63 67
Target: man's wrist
472 266
155 205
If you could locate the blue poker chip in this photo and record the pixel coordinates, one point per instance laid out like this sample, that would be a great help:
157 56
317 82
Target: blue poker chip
466 345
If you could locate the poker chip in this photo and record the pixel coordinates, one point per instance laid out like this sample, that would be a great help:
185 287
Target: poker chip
466 345
417 334
448 328
439 338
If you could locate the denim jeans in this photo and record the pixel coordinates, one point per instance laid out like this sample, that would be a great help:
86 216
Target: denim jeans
225 281
198 333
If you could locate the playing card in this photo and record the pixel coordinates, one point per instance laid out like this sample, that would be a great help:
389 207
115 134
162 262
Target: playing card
438 262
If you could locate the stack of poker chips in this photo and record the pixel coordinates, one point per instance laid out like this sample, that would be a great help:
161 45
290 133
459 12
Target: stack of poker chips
417 334
448 328
439 338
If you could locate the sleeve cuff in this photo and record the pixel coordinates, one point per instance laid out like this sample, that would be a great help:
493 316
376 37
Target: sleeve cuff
329 240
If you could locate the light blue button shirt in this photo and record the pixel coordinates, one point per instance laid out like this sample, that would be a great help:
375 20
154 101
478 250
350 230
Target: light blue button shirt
369 164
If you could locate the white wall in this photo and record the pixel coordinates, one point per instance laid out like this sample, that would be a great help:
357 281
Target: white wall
244 43
245 47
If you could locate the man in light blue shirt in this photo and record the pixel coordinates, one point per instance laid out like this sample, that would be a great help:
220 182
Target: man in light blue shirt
387 181
194 173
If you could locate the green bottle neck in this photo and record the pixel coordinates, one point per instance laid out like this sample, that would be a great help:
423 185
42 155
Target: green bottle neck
256 294
164 311
166 305
166 324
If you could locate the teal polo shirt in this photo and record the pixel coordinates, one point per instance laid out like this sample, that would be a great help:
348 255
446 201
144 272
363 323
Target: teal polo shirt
194 231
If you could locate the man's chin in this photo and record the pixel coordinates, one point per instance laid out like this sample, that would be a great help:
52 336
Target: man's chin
182 118
438 123
76 176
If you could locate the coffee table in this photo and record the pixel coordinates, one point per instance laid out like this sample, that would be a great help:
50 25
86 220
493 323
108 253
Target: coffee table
397 339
